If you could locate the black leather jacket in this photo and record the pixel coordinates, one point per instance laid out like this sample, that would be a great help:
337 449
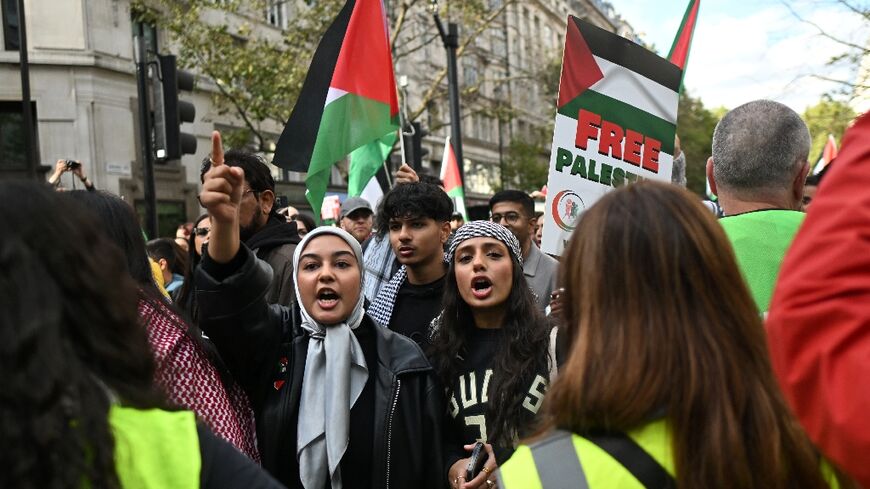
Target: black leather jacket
265 350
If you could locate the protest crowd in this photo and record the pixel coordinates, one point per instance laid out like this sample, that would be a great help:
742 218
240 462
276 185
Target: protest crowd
659 341
408 348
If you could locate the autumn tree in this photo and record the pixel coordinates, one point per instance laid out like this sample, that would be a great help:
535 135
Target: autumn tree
827 117
695 125
255 73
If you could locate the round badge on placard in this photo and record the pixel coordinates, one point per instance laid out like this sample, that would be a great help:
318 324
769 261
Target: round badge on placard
567 207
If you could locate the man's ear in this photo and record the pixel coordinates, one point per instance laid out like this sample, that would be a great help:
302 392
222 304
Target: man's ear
267 200
800 181
710 178
445 231
163 264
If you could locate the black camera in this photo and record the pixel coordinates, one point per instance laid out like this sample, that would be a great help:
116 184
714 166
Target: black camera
72 164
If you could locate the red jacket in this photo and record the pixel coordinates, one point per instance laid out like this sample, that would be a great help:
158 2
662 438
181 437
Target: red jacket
819 321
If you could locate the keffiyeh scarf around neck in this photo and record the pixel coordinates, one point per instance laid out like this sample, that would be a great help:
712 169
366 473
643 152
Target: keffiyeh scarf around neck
335 375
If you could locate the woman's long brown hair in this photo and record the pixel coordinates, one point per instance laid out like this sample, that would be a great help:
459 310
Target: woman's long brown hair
659 321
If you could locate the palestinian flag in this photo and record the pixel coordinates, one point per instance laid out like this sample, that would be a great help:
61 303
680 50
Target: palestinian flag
452 180
366 161
829 152
679 54
622 82
347 101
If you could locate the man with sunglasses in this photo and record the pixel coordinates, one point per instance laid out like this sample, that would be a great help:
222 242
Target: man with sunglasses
515 210
261 228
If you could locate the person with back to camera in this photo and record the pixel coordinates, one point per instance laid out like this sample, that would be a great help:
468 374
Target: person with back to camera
493 350
340 401
758 169
668 381
77 406
188 368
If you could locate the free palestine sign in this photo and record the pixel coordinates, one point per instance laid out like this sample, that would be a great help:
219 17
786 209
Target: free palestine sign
615 124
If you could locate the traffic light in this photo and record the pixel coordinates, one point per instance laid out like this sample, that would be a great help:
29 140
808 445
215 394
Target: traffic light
414 146
170 112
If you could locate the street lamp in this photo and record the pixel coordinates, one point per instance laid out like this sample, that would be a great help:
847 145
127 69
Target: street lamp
450 38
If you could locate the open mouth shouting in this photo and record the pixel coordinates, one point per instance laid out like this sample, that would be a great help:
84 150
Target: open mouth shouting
481 287
327 299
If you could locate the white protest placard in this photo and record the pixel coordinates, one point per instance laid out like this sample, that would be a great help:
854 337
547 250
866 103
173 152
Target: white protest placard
615 124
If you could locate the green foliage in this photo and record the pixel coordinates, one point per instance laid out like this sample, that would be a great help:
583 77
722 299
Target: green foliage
827 117
256 72
255 76
695 125
525 165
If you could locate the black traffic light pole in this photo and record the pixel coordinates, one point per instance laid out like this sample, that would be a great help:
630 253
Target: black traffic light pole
450 38
145 130
26 109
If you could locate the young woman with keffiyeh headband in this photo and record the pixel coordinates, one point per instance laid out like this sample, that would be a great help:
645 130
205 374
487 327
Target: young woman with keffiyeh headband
339 400
492 349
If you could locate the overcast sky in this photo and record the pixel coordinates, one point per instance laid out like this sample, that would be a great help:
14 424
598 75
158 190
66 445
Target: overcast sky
745 50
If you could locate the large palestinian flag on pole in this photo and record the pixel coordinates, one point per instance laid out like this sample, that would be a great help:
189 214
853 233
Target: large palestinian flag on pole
348 99
615 124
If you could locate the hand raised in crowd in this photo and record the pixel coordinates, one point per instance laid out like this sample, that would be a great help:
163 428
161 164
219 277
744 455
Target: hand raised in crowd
484 480
221 196
406 174
557 303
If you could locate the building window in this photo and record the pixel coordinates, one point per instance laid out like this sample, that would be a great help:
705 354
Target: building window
469 72
13 154
276 13
10 24
170 213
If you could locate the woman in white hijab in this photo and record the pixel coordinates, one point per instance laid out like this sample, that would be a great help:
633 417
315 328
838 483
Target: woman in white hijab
339 401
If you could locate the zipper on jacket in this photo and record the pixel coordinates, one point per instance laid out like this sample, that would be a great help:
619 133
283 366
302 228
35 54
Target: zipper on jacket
390 427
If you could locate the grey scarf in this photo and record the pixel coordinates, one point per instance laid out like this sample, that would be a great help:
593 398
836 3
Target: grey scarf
335 374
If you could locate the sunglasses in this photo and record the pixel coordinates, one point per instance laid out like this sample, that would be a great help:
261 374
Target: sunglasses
201 231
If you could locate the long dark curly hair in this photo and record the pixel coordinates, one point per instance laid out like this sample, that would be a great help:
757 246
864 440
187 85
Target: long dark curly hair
522 353
69 336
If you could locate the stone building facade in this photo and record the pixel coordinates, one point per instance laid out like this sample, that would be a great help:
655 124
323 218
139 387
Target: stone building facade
83 83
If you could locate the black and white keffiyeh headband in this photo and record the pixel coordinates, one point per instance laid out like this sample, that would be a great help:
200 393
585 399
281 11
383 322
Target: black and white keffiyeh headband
485 229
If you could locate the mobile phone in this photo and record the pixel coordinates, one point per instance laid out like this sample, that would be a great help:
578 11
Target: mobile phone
476 461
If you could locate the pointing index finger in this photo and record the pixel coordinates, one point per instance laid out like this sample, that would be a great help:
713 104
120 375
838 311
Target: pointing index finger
217 149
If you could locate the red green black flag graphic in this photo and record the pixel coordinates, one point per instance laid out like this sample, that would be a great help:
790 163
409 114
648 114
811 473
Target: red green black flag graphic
348 98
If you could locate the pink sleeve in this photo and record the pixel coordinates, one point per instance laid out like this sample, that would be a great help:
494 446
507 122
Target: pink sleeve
819 321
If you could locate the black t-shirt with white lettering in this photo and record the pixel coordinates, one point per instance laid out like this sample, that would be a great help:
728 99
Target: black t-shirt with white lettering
467 403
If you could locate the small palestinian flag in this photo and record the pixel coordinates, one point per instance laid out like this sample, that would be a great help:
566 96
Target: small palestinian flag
679 54
348 99
452 179
829 152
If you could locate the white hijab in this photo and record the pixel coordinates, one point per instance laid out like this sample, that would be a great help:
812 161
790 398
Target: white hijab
335 375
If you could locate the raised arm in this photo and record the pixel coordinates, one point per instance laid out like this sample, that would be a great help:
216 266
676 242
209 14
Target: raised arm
221 196
231 286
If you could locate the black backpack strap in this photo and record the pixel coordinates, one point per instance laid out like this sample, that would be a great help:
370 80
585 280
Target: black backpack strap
635 459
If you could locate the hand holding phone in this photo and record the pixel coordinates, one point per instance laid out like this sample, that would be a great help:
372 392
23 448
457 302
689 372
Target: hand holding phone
476 461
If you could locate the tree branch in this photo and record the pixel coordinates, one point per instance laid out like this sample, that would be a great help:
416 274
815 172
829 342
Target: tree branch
819 28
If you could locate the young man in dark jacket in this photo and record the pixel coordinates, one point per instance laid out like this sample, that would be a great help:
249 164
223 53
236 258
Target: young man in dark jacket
267 350
417 219
261 228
